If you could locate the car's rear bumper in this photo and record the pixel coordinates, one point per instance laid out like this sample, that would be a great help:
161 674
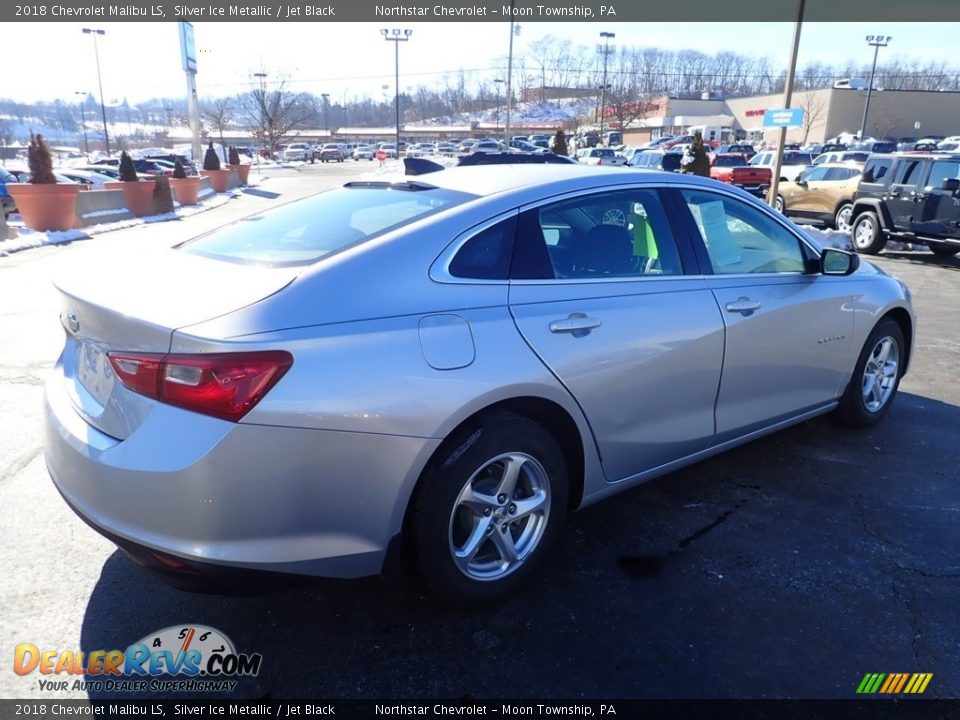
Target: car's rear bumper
217 496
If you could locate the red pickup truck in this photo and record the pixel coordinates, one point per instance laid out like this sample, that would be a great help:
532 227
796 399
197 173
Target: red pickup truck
733 168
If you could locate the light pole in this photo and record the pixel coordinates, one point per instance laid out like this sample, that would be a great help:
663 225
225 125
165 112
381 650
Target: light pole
605 49
396 36
498 82
83 119
326 105
877 41
103 108
262 77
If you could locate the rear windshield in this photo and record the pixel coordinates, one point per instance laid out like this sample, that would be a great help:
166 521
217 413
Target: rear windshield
796 158
729 161
671 161
305 231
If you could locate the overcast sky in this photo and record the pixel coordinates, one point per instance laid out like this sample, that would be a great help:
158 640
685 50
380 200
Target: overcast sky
142 60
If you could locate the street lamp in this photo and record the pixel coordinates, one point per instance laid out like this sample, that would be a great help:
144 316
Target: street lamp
498 82
83 119
877 41
396 36
103 108
326 105
605 49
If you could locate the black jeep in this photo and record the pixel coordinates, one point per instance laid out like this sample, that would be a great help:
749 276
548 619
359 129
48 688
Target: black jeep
910 197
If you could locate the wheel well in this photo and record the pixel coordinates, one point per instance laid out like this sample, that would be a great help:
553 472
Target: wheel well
547 413
902 318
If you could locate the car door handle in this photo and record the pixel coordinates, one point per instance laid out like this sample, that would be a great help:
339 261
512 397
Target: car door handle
576 323
743 305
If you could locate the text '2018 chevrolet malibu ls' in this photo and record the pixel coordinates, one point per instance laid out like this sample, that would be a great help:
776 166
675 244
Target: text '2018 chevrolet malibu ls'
456 360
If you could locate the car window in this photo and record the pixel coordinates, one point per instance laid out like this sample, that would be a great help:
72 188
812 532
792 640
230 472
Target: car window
302 233
876 170
836 173
943 170
742 239
817 173
486 256
623 233
908 173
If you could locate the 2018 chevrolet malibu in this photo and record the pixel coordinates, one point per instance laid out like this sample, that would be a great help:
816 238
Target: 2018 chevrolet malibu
446 365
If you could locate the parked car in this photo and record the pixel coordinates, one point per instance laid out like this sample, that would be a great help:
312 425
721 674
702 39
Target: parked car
188 167
389 150
7 203
733 168
657 159
540 140
525 146
486 146
875 146
363 152
112 171
379 373
600 156
737 148
908 196
824 193
446 148
297 151
90 178
856 156
331 152
793 163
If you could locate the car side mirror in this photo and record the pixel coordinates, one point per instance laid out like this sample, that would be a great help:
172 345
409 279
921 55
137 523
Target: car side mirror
834 261
951 185
800 181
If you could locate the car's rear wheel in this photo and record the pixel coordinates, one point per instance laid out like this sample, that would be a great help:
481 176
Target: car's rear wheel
489 508
841 221
943 249
779 204
876 377
868 236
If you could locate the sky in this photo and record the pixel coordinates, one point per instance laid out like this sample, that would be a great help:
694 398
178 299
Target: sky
347 60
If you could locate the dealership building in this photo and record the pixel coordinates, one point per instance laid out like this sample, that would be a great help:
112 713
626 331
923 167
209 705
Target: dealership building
829 112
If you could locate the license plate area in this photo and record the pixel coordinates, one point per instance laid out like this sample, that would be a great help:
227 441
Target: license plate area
94 372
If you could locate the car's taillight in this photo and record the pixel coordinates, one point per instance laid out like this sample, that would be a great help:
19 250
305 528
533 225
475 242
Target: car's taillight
225 385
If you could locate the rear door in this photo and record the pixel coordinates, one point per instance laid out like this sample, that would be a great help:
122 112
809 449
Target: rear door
788 333
939 214
599 293
901 198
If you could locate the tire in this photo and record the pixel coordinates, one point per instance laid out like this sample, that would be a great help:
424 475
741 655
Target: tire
841 220
867 235
876 377
943 250
780 205
463 506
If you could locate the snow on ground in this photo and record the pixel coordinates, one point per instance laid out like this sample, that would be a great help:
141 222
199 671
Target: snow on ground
28 238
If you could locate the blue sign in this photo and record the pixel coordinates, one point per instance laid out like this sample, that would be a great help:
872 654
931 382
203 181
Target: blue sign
789 118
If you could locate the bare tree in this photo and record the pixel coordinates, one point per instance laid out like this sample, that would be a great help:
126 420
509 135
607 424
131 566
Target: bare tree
275 112
218 113
814 106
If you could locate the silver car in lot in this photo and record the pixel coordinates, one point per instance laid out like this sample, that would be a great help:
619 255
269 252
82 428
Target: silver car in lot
440 367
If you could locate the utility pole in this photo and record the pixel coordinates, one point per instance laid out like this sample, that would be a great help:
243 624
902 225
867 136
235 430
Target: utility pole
787 99
396 36
605 49
877 41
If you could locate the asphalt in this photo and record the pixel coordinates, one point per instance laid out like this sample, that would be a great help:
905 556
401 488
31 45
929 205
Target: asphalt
789 567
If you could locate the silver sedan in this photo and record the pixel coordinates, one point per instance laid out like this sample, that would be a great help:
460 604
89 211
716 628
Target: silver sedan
442 366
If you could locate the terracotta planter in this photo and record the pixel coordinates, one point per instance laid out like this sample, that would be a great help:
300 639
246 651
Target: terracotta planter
186 189
139 196
218 178
244 171
46 207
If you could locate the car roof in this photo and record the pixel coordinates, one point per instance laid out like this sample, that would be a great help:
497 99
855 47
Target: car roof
491 179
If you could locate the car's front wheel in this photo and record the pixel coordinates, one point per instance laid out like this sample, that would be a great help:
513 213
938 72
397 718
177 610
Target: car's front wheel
868 236
489 508
841 221
779 204
876 377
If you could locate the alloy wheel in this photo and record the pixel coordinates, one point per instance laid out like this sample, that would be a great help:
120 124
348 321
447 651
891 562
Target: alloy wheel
880 374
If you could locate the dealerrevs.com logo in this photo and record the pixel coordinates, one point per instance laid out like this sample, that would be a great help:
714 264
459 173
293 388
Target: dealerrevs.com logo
180 658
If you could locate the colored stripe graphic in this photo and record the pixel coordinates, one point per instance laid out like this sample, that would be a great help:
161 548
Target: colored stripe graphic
894 683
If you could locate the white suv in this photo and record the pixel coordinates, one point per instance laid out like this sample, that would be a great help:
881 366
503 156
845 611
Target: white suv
297 151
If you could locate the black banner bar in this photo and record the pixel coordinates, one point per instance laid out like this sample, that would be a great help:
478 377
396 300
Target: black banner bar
895 709
641 11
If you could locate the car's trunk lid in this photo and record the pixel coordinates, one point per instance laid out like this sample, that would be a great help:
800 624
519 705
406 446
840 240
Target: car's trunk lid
104 310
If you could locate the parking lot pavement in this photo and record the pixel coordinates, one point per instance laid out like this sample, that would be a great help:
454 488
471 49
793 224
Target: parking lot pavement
789 567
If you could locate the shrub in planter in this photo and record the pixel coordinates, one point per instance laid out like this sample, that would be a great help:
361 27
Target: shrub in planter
162 195
43 203
128 171
244 170
211 161
234 156
186 188
560 143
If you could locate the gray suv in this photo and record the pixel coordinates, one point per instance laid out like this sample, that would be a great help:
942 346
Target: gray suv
909 197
